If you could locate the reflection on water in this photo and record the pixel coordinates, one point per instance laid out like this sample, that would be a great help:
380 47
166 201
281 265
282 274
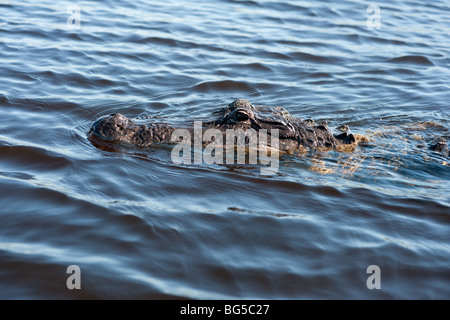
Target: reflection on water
140 226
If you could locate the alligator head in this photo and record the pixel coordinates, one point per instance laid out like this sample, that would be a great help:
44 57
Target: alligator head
241 114
111 128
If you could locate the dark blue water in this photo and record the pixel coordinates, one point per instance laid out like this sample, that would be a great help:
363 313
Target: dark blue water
140 226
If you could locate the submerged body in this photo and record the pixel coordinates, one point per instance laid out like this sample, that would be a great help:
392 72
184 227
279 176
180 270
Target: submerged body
293 134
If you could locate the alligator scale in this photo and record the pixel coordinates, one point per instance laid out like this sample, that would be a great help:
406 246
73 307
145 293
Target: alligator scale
293 134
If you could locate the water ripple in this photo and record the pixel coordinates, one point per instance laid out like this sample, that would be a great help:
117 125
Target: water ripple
140 226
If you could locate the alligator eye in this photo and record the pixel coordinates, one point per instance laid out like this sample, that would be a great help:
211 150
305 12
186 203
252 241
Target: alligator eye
241 116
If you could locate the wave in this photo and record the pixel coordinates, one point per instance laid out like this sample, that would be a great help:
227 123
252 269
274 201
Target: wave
417 60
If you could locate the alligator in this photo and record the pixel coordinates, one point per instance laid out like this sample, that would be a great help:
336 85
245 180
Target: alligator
294 134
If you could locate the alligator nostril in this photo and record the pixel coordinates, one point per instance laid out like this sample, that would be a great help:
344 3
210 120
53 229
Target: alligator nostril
241 116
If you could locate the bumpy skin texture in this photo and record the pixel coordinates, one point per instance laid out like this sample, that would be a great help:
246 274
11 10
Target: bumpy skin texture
240 114
293 133
440 145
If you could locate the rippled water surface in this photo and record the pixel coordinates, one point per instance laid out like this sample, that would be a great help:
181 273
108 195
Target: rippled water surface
140 226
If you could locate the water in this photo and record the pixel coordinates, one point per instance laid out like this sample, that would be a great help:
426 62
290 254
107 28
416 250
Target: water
139 226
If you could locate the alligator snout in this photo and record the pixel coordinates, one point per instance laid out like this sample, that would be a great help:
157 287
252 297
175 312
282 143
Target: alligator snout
112 127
